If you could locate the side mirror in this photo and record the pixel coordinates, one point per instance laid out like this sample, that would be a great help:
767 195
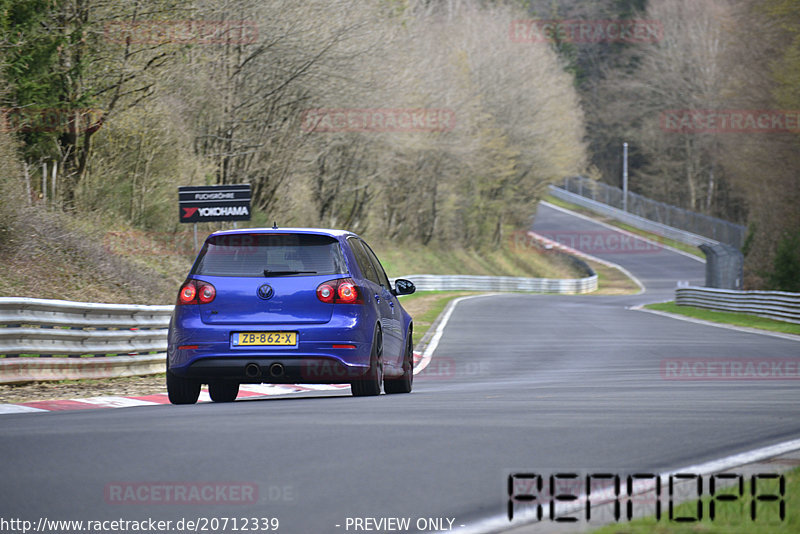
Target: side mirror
403 287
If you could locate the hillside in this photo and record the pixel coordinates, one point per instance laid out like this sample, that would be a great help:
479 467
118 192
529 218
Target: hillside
50 254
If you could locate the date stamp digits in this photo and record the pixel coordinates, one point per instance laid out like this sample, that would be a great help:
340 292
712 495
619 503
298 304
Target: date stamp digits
572 497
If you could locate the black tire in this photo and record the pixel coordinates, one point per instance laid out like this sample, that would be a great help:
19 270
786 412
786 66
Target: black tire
403 383
370 384
181 390
223 391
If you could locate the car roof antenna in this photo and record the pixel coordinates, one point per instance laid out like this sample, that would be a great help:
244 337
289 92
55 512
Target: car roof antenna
275 225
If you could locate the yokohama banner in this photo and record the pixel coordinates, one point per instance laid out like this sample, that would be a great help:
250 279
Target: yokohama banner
214 203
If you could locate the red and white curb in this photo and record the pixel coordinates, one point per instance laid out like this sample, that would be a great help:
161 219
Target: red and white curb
245 391
94 403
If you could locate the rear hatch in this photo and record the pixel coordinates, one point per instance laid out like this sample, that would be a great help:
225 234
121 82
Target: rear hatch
293 301
268 278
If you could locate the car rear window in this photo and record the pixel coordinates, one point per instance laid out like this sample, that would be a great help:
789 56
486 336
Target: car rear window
281 254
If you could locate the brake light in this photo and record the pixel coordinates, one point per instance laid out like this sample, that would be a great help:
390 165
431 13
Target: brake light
196 292
347 292
326 292
339 291
187 293
207 293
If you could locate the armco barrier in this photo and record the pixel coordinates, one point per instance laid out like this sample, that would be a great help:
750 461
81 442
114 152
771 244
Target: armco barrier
98 340
634 220
454 282
660 212
112 340
779 305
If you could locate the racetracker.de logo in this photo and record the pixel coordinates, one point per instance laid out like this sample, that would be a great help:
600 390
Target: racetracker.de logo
731 369
591 242
445 368
730 121
204 32
586 31
378 120
181 493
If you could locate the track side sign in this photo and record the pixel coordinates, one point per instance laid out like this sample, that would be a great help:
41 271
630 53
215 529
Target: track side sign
207 203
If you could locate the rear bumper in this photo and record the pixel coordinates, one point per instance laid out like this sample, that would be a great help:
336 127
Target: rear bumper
273 370
335 352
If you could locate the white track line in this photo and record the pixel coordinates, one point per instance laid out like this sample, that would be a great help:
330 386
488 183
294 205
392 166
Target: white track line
749 330
500 523
18 408
428 354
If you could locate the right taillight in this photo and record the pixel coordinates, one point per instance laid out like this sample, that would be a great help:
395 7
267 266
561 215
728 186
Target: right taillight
196 292
347 292
339 291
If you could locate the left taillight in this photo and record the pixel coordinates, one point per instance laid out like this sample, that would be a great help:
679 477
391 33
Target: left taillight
196 292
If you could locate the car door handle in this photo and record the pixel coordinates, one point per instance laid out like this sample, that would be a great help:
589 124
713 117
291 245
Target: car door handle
377 298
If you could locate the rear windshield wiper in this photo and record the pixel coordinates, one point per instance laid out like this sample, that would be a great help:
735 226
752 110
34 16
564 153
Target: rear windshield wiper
267 272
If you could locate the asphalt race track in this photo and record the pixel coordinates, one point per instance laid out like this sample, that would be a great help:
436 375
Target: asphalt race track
518 382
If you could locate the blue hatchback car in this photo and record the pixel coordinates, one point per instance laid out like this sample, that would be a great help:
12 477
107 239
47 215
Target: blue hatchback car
291 306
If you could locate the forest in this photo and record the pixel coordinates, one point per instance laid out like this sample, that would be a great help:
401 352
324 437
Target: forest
437 123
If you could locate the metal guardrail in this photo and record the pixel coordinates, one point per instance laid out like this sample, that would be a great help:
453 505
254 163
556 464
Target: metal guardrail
690 221
779 305
455 282
32 331
47 312
58 327
634 220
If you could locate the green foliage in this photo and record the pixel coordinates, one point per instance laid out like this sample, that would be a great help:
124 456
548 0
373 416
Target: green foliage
787 67
30 62
785 275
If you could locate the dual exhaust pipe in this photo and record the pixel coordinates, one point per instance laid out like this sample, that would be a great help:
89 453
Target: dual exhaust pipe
253 370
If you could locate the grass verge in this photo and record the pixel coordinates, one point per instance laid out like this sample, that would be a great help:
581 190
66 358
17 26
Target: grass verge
400 260
632 229
737 319
611 281
731 517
